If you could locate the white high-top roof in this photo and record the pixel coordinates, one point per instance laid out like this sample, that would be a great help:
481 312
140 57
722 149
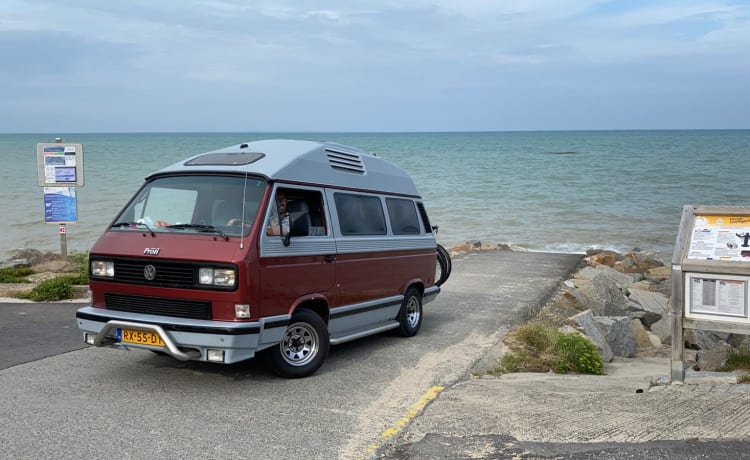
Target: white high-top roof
311 162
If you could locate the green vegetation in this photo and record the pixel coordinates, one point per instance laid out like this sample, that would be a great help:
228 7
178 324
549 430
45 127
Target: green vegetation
744 378
57 288
15 274
82 260
536 347
737 360
52 289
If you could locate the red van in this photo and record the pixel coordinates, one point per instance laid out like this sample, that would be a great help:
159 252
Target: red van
277 248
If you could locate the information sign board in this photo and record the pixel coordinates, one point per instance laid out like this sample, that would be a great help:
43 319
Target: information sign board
60 205
710 275
60 164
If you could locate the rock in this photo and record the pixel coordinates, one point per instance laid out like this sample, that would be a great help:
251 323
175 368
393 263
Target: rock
15 263
651 304
614 302
606 258
655 340
663 327
623 280
31 256
619 335
703 340
633 262
601 294
640 334
690 358
741 342
660 274
568 329
648 285
585 323
714 358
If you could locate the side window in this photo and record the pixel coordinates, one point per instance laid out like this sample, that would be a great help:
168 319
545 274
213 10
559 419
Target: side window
403 216
425 219
305 209
360 214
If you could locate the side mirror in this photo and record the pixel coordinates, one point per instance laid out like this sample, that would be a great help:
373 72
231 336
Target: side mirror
284 229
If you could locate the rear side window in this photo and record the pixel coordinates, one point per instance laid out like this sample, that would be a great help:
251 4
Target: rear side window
403 216
360 214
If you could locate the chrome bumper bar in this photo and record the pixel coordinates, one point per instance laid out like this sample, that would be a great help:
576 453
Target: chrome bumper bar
102 339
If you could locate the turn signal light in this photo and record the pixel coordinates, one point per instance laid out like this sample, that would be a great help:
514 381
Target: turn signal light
241 310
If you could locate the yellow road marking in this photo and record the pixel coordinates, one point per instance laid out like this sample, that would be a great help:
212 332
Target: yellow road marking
431 394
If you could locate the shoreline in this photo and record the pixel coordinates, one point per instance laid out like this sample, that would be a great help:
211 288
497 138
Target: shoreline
7 254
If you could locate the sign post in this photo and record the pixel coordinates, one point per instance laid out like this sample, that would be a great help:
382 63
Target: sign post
60 171
710 276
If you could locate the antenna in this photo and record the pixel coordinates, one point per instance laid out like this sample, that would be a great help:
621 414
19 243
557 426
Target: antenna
242 224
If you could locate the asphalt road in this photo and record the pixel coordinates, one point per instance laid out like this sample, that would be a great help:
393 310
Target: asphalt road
32 331
97 403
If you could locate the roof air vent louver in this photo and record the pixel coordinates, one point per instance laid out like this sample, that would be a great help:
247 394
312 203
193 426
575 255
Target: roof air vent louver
345 161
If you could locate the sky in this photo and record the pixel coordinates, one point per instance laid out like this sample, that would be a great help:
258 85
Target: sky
373 66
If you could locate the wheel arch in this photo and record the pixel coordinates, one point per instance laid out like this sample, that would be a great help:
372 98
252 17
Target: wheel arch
416 283
316 303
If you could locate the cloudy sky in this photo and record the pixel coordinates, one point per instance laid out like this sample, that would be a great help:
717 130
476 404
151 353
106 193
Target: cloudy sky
359 65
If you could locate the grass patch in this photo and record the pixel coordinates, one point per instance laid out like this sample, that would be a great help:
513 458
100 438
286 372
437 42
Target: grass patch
15 274
536 347
82 260
50 290
744 378
736 361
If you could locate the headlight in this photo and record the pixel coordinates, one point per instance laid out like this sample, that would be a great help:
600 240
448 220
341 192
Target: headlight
102 268
217 276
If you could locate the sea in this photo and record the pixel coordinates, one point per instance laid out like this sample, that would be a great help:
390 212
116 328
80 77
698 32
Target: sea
547 191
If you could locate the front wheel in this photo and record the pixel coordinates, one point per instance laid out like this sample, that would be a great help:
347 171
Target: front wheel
302 349
410 315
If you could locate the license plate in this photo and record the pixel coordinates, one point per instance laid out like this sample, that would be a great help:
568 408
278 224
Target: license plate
140 337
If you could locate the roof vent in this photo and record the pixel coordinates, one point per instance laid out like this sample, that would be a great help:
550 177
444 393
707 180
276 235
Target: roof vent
225 159
343 160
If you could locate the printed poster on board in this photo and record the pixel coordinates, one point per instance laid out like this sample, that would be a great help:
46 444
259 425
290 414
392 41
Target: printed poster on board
722 238
60 205
60 164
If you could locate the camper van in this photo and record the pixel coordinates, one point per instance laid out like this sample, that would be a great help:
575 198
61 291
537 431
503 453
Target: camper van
275 248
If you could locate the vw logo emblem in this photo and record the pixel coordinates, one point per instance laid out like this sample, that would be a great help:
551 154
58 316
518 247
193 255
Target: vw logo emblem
149 272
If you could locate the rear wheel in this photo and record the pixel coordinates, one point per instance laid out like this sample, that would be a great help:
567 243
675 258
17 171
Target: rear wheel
410 315
302 349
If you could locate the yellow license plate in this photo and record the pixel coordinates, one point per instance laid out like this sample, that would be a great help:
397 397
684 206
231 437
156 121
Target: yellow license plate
141 337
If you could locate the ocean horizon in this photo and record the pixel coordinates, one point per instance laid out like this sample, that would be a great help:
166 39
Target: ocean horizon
555 191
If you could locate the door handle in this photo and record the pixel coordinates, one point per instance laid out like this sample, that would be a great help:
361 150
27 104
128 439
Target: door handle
329 258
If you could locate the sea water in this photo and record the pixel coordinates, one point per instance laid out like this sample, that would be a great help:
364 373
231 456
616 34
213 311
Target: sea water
541 191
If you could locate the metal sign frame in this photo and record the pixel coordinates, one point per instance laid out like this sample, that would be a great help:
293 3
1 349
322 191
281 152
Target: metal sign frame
60 164
710 275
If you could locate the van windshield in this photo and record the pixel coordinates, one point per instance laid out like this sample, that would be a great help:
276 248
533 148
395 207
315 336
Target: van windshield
223 205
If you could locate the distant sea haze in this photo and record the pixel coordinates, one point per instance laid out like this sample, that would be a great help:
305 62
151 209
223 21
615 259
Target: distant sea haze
564 191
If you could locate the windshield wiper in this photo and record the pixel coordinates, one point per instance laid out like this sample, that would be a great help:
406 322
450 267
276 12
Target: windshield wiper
200 228
133 225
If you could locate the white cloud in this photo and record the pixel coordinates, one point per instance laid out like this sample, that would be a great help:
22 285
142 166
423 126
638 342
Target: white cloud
387 50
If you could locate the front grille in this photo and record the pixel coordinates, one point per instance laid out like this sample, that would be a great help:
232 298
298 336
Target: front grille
181 308
168 274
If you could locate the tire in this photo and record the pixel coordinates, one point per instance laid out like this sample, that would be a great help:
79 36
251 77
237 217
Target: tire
444 266
410 315
302 349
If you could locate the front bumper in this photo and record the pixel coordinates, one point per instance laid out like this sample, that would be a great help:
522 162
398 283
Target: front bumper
185 339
